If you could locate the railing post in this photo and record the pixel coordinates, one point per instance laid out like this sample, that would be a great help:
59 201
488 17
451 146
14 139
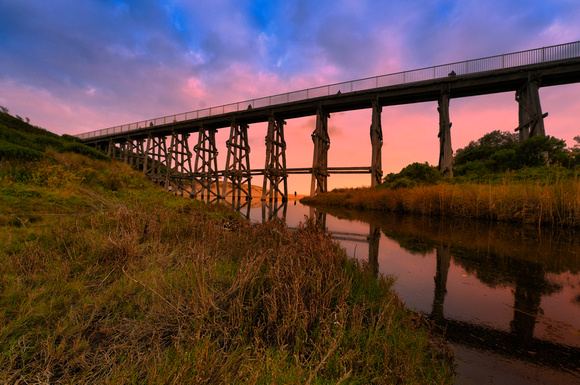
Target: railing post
543 49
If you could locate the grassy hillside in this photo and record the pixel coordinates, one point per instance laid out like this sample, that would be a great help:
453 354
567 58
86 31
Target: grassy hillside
105 278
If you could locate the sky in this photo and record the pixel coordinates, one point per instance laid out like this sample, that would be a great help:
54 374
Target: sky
75 66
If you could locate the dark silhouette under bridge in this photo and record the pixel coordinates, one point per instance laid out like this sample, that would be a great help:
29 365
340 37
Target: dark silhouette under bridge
161 147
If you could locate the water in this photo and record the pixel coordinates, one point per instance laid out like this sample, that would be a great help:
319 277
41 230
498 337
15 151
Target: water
508 296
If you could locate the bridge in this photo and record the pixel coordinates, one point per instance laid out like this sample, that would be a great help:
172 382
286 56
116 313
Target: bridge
161 148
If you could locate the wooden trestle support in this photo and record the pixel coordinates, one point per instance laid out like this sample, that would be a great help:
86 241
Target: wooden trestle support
179 165
531 119
445 149
237 171
134 153
377 145
113 150
320 159
275 172
155 167
206 182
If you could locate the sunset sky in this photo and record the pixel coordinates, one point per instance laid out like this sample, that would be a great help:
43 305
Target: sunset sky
75 66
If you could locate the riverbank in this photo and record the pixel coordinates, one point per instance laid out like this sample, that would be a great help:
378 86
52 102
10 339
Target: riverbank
107 278
529 202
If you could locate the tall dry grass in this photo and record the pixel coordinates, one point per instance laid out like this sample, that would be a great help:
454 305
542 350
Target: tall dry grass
145 294
533 203
107 279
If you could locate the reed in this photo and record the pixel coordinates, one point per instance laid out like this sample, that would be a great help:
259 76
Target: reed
525 202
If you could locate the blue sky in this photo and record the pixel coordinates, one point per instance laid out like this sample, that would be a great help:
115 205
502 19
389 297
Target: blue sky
74 66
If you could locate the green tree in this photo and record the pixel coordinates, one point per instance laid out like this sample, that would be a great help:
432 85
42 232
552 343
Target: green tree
541 150
482 149
575 153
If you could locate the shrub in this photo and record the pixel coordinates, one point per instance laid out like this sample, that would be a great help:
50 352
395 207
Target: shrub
471 169
412 175
11 151
502 160
82 149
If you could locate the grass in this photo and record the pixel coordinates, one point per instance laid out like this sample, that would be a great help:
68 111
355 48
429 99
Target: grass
105 278
513 197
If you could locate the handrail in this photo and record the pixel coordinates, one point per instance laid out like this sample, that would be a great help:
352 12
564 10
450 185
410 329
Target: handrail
490 63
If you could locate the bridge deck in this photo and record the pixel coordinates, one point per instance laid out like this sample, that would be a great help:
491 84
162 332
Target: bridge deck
470 78
554 65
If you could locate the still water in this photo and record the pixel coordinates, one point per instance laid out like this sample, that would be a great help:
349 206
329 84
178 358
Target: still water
508 297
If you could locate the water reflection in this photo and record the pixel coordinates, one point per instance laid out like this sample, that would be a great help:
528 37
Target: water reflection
274 208
503 290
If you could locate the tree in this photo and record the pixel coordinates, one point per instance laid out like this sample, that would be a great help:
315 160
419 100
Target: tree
541 150
575 153
484 147
501 151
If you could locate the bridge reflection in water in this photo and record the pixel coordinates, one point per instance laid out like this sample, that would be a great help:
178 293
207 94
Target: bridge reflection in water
509 293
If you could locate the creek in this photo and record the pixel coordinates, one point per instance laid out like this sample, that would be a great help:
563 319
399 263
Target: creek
507 296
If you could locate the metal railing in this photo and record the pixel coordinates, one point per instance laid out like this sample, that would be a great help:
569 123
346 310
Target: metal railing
510 60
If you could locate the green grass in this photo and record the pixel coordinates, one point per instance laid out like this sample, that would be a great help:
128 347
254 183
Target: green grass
105 278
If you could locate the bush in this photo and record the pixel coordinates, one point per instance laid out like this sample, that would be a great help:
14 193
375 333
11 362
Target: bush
403 183
11 151
82 149
502 160
412 175
470 168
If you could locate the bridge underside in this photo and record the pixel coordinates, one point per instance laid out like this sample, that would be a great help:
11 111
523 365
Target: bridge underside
163 152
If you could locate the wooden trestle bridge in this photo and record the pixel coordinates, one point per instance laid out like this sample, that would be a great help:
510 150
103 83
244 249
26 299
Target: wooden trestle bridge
161 147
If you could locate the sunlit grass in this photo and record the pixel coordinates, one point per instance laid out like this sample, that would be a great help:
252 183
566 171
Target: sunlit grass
145 294
105 278
533 201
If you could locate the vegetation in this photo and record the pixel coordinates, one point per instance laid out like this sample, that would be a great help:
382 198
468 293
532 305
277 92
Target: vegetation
20 141
498 180
105 278
415 174
501 151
